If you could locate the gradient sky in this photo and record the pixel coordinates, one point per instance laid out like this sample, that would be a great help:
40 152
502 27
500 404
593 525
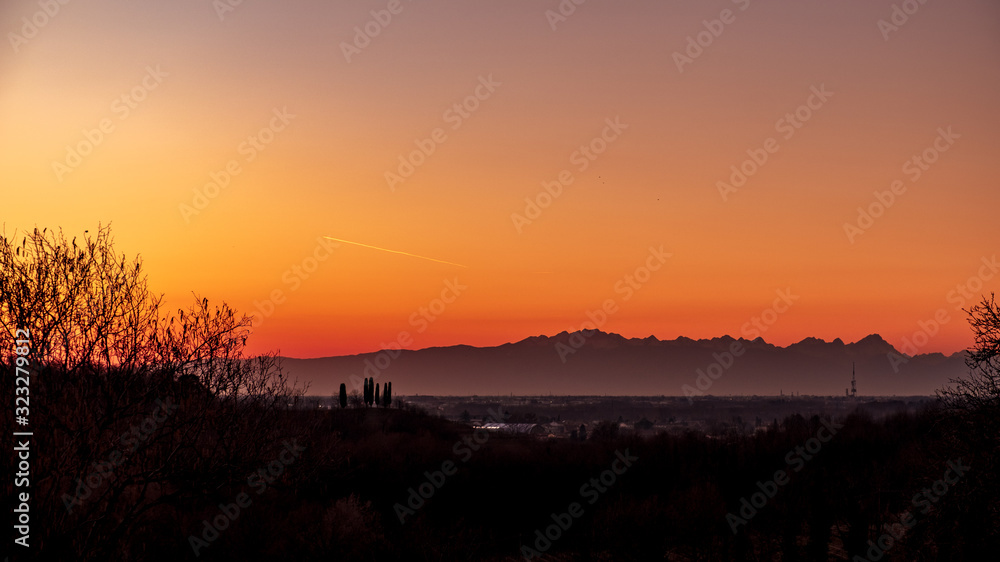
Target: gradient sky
324 173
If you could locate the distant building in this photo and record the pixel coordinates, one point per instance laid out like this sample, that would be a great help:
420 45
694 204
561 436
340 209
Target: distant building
555 428
516 428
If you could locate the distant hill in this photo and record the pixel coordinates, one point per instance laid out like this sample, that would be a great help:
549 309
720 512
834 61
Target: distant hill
606 363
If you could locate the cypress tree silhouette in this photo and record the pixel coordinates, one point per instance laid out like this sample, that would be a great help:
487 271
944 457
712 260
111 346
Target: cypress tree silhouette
378 401
343 396
388 394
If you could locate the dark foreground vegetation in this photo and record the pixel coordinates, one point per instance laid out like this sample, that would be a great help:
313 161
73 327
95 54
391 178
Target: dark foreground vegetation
156 439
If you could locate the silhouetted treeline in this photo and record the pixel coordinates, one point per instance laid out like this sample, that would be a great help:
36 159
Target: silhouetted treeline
673 500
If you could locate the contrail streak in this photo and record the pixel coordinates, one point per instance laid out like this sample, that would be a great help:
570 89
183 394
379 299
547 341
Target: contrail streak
394 251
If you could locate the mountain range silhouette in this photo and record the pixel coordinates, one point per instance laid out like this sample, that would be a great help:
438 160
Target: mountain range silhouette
599 363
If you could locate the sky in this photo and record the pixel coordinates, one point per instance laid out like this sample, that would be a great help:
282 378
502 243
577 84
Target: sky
787 169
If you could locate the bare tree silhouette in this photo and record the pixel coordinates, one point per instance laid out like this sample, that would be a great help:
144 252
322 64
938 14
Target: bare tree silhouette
981 390
138 410
972 416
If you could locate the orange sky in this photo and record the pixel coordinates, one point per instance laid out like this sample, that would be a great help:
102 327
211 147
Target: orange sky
196 86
